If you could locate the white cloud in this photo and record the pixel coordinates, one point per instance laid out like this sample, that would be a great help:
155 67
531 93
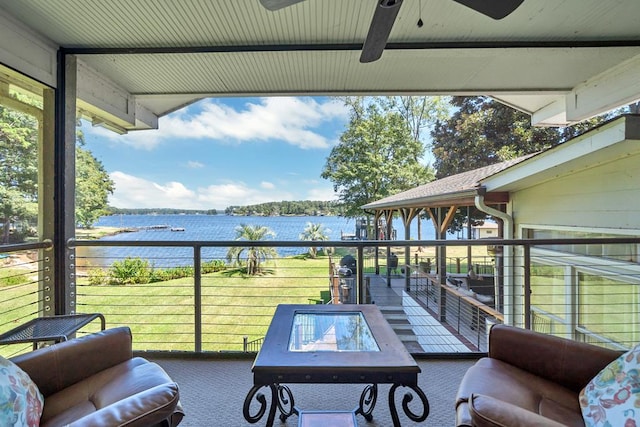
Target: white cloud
267 185
293 120
135 192
326 194
194 165
220 196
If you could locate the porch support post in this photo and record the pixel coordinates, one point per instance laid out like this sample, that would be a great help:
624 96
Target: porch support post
469 236
46 208
442 266
376 236
442 222
64 184
408 215
388 213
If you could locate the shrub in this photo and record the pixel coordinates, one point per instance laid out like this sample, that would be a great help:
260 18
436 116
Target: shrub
138 271
171 273
213 266
98 276
130 271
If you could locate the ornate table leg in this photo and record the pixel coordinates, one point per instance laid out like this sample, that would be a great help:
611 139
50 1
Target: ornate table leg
408 397
262 400
281 398
368 401
285 402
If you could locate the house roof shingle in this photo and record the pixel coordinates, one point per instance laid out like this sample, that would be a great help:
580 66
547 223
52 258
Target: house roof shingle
445 188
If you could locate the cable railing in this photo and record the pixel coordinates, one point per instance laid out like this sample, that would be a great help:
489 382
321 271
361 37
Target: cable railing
187 296
22 281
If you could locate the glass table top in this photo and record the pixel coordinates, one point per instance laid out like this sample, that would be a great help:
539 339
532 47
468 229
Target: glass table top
337 331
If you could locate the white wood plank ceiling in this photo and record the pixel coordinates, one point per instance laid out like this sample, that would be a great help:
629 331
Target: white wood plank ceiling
545 58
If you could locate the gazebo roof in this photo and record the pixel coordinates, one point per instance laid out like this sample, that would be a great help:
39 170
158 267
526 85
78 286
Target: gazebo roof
459 189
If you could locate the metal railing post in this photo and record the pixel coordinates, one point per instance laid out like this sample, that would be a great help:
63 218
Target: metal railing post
197 296
527 286
478 326
360 298
459 314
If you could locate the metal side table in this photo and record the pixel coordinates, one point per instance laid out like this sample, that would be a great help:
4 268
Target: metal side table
54 328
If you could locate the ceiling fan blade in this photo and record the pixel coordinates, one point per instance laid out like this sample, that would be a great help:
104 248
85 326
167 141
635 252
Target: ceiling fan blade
278 4
496 9
379 30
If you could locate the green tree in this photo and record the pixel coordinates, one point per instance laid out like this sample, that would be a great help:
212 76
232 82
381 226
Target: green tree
93 187
18 169
419 113
254 255
482 132
314 232
377 156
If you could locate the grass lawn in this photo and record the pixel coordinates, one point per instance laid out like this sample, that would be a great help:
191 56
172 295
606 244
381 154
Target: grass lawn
162 315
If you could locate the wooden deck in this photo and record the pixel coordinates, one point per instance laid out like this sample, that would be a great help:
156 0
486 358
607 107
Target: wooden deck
431 335
465 313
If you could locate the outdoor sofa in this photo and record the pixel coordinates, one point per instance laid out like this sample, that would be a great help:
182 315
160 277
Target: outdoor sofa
529 379
94 380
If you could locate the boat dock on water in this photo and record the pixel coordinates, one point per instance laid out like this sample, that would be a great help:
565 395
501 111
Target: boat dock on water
153 227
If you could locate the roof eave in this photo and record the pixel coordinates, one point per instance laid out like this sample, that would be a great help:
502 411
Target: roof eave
460 198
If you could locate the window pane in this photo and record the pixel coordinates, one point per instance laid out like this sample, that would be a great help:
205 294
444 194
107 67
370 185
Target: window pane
608 308
548 289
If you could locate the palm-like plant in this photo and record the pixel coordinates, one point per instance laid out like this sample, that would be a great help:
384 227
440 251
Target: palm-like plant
255 255
314 232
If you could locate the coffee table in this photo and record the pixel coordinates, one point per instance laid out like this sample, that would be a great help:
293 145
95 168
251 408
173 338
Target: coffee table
332 344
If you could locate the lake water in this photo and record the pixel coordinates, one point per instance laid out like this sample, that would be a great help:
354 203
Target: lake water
214 228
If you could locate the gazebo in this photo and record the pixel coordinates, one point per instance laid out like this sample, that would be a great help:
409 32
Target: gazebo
441 200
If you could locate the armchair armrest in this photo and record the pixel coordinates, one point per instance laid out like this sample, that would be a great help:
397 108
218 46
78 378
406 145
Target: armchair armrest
58 366
489 412
560 360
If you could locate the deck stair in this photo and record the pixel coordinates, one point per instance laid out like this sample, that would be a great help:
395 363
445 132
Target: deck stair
399 322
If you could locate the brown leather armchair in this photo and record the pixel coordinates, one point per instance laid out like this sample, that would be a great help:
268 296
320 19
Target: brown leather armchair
95 381
528 379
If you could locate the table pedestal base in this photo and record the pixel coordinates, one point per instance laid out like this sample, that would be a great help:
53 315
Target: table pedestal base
282 399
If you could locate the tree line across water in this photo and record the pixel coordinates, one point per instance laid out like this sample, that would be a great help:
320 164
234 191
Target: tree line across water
297 207
158 211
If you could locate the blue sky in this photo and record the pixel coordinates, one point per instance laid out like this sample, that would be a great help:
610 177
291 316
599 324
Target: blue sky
221 152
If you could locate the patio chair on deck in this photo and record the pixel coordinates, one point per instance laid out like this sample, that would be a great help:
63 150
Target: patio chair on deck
325 298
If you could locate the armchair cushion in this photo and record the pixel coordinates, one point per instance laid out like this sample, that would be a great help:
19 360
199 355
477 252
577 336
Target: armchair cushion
613 396
20 400
116 396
